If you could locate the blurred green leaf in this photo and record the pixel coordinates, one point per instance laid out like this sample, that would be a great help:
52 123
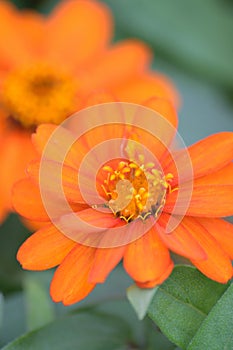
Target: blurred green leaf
21 4
182 303
140 299
96 331
215 332
16 308
145 335
39 306
46 6
14 319
193 34
1 311
12 234
122 308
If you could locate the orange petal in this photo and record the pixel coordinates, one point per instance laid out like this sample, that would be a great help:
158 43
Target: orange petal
31 27
60 141
78 31
103 131
147 258
105 261
27 201
179 240
121 62
223 176
70 282
207 201
99 97
16 151
140 88
53 171
164 107
44 249
33 225
42 135
89 227
15 52
165 127
217 266
157 281
222 231
208 155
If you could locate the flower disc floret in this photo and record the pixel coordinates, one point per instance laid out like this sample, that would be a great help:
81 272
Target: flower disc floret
39 94
135 191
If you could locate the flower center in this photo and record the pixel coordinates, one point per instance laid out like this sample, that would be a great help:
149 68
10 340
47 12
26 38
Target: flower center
135 191
38 94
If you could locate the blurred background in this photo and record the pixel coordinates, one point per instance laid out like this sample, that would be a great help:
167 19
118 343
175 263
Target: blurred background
192 44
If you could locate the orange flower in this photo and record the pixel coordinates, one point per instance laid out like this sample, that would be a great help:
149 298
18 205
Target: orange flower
131 207
51 66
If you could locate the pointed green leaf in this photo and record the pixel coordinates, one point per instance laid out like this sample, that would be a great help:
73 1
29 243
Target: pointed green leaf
216 332
182 303
140 299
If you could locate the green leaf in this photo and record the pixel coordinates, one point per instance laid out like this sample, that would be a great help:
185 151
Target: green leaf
215 332
47 6
1 311
140 299
82 331
12 235
39 307
145 335
182 303
13 318
193 34
156 340
122 309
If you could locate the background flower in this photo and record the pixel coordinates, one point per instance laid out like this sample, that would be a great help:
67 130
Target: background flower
53 66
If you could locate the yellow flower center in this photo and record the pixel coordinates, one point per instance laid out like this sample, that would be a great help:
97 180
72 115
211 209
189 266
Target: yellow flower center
135 191
38 94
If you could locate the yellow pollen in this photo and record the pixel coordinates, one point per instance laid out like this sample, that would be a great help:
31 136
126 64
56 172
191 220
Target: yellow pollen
135 191
39 94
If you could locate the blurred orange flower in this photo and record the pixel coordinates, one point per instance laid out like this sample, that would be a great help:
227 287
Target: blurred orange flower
52 66
200 235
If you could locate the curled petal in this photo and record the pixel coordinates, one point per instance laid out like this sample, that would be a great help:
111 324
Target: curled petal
222 231
70 282
147 258
218 265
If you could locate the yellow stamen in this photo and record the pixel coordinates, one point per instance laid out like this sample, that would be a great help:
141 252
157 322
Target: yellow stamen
39 94
136 191
108 168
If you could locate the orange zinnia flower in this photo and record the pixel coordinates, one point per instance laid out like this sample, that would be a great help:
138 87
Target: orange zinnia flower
136 206
49 68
